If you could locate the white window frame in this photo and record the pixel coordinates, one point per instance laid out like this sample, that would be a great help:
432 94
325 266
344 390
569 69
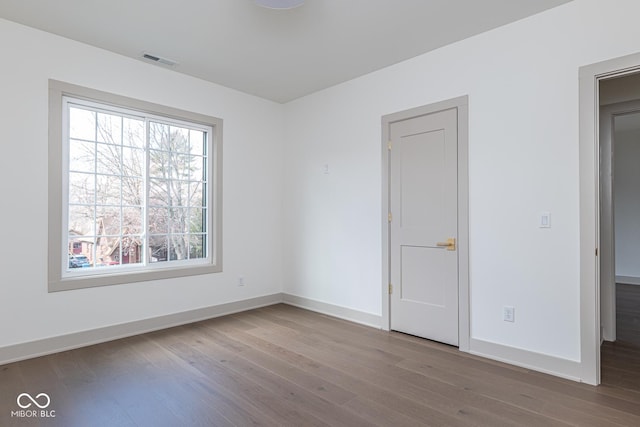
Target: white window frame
60 277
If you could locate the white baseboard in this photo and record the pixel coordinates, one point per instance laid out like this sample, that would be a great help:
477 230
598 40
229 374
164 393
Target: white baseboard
557 366
628 280
345 313
28 350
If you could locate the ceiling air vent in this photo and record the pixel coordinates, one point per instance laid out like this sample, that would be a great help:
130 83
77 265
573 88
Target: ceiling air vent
159 59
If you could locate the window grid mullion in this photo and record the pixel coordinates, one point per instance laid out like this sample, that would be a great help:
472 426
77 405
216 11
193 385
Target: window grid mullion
121 188
94 249
145 208
188 200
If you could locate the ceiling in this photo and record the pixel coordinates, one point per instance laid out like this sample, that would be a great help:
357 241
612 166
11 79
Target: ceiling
275 54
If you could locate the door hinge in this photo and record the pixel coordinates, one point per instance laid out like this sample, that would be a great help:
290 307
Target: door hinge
389 144
390 288
390 217
596 251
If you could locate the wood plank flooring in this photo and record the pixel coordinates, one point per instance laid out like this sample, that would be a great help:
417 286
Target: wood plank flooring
284 366
628 313
621 359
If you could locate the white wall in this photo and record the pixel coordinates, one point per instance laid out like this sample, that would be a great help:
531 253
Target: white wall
522 82
252 189
627 201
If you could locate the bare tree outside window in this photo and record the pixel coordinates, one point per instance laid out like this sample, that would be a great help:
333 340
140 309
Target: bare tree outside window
137 187
176 192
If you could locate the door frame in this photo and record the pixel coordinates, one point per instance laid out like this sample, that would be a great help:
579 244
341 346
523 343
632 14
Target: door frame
589 171
462 106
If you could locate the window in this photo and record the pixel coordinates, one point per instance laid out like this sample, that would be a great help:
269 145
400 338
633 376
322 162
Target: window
134 190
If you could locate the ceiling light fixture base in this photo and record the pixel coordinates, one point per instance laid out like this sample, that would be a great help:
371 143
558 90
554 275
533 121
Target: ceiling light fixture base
279 4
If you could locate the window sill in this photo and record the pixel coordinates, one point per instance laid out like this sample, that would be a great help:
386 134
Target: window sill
119 278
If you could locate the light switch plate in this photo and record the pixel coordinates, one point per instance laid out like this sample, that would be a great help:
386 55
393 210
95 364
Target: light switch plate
545 220
508 314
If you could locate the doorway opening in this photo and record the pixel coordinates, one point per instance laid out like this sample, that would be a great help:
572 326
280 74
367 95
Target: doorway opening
619 140
609 216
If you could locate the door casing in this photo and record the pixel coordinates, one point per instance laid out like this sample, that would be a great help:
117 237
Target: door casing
461 104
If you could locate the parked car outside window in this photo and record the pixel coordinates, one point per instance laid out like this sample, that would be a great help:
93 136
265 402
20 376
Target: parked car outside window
79 261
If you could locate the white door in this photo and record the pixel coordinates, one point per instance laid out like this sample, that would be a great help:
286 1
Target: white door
424 226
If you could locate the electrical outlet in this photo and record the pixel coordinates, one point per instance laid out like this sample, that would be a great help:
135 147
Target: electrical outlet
508 314
240 281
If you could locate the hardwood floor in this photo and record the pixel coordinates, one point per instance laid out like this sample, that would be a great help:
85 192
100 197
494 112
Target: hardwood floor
281 365
628 313
620 363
